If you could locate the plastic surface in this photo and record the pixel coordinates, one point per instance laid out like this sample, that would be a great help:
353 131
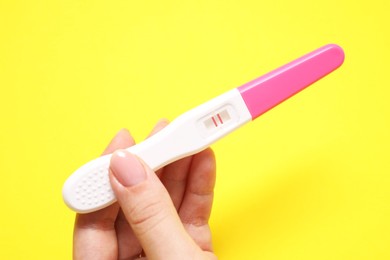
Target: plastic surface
269 90
88 188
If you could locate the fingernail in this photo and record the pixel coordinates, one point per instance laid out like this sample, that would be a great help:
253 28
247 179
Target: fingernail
127 169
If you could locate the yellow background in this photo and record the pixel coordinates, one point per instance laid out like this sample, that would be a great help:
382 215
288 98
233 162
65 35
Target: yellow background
308 180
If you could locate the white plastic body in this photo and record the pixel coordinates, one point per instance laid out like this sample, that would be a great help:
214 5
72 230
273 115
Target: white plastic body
88 188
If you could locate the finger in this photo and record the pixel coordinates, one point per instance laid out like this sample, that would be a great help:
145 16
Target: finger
148 208
198 198
129 247
159 126
128 244
174 178
122 139
174 175
96 228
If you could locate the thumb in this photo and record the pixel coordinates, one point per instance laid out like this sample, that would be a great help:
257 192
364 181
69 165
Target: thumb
148 208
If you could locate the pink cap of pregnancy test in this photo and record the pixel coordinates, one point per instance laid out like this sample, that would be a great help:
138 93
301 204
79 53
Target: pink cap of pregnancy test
269 90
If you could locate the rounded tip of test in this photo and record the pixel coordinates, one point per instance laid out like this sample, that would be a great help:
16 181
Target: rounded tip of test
337 52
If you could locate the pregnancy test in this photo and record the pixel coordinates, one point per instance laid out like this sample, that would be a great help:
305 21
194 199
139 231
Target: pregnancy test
88 189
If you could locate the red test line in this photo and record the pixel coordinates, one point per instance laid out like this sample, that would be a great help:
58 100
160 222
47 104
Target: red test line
220 119
215 122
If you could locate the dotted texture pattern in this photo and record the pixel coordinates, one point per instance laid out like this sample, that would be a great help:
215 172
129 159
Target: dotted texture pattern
94 188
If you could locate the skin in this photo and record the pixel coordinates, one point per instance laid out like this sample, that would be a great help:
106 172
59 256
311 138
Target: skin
164 216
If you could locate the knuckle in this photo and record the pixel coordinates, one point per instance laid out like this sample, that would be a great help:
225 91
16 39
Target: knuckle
148 213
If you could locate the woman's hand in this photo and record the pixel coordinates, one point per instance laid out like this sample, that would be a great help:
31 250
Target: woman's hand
162 215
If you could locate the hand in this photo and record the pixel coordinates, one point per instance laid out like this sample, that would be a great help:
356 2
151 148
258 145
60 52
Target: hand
162 215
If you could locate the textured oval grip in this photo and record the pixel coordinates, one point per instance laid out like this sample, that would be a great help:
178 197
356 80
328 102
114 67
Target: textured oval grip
88 189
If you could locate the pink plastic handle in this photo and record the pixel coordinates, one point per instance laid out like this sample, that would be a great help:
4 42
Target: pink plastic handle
262 94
